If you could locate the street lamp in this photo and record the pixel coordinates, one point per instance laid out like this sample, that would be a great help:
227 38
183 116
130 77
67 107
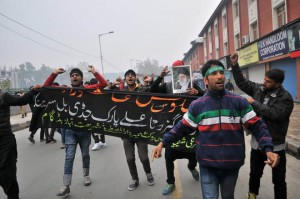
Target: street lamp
101 57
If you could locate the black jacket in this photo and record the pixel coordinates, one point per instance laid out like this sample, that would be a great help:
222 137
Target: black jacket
8 147
7 100
275 113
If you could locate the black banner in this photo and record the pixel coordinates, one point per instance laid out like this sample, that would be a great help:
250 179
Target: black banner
142 116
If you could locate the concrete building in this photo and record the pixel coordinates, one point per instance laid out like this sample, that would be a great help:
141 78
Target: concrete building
266 34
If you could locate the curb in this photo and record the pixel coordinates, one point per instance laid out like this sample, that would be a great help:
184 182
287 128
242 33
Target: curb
293 145
20 126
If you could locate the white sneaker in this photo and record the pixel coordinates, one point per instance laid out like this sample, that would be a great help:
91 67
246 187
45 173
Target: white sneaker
97 146
104 145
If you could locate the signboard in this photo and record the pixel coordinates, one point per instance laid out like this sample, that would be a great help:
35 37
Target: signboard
274 45
248 55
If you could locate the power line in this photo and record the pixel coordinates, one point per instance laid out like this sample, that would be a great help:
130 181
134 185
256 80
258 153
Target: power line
58 51
47 36
115 67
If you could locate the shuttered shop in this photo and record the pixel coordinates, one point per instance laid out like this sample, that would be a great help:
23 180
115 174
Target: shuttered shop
289 67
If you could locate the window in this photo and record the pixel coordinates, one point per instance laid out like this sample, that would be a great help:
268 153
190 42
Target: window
225 48
224 21
237 41
216 31
254 31
209 41
281 15
204 48
217 53
236 9
209 37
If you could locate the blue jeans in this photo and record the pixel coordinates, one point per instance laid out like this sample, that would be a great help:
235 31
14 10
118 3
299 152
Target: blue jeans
62 133
72 138
212 179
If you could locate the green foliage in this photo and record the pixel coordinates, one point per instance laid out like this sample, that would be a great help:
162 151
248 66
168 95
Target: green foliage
5 85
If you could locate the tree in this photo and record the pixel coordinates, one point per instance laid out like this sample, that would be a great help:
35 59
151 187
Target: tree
27 74
5 84
43 73
148 67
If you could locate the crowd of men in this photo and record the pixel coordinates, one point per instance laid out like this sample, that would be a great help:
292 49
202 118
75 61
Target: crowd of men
217 119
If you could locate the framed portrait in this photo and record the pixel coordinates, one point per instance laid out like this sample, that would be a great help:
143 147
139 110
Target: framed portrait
181 78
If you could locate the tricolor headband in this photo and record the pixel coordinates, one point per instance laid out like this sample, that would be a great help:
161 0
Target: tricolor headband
213 69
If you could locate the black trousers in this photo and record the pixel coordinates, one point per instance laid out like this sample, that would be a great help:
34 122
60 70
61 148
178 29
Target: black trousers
278 173
171 155
42 133
129 147
10 186
8 169
50 136
96 137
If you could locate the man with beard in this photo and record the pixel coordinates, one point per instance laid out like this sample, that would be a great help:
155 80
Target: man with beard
218 118
274 105
75 137
8 145
129 144
184 80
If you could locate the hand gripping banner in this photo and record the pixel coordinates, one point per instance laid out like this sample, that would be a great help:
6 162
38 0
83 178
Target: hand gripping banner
135 115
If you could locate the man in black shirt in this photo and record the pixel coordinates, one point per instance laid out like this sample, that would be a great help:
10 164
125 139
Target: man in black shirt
8 145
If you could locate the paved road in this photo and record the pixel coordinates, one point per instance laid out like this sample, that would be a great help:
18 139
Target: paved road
40 169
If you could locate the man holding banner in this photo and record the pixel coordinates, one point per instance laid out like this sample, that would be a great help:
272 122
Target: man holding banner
129 144
8 144
74 137
217 118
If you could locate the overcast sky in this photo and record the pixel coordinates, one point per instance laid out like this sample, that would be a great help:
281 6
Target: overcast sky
155 29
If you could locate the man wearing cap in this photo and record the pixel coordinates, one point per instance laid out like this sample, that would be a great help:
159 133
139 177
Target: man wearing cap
172 154
74 137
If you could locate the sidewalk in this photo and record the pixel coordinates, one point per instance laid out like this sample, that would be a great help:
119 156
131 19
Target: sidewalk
292 139
293 136
19 123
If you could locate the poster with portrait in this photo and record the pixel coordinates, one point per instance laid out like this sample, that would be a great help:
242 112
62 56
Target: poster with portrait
181 78
198 79
293 33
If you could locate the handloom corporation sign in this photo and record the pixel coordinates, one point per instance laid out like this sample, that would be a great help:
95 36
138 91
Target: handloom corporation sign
280 43
273 46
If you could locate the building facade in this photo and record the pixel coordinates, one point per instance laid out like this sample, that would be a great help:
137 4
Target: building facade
265 33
